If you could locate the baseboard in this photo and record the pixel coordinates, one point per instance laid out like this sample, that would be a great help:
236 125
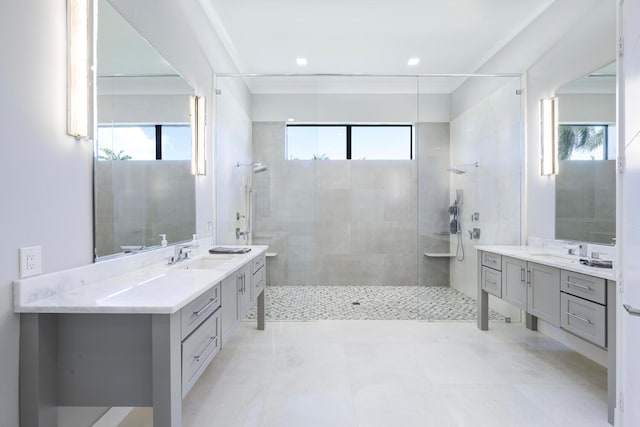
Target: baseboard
113 417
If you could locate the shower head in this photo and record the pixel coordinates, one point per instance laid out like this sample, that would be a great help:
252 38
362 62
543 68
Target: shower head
456 168
257 167
260 168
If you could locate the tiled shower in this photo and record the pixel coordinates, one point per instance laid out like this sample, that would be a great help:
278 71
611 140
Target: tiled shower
364 223
351 222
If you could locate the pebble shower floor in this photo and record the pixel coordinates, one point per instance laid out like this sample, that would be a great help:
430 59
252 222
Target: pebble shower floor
429 303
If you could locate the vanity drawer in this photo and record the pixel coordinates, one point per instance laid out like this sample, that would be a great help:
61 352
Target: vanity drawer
491 260
258 281
492 281
198 350
588 287
199 309
258 263
583 318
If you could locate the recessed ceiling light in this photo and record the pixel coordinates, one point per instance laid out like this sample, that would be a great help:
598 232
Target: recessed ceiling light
301 61
291 120
413 61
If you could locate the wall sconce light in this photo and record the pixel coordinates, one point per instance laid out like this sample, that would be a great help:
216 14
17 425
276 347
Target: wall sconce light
78 68
549 136
198 159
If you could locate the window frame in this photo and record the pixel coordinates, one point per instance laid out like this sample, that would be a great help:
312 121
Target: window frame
157 132
348 139
605 142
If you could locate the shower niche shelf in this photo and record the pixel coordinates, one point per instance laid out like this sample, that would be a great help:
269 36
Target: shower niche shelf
439 255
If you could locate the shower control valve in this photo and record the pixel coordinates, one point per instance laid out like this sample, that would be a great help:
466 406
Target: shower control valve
474 234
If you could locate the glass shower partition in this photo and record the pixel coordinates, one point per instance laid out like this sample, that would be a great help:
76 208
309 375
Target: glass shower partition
470 164
354 202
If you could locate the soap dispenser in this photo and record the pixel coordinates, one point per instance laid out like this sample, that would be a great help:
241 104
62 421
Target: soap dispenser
163 243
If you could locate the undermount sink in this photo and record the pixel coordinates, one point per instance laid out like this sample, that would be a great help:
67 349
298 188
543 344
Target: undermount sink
208 262
556 257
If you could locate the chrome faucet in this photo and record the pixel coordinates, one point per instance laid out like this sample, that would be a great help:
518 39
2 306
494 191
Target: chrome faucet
182 252
241 233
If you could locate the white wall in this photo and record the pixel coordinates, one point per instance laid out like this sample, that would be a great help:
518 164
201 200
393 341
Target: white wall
345 108
233 145
46 175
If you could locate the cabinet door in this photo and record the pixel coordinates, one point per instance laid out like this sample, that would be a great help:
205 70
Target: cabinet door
543 292
244 291
229 294
514 281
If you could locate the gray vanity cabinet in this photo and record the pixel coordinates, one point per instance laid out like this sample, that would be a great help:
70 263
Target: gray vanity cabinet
230 318
582 304
514 281
258 277
244 291
583 307
236 299
543 290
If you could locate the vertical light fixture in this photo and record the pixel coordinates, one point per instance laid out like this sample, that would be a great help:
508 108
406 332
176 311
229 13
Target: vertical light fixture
78 68
198 159
549 136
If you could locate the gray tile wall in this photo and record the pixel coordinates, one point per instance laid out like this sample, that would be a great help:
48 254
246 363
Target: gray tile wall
586 200
433 199
137 200
344 222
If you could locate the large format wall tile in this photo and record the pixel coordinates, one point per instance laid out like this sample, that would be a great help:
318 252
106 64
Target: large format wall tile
350 222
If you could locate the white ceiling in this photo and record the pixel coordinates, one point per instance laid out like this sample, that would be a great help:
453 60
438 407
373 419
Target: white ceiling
367 36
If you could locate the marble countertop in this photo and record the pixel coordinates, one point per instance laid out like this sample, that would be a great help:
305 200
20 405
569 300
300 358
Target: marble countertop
550 257
155 289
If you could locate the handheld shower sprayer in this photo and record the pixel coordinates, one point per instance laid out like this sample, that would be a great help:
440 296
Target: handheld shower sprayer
454 226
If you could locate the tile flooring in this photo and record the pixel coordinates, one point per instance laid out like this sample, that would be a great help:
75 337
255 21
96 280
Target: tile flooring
355 373
431 303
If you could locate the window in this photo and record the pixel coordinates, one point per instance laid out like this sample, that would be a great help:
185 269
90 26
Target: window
144 142
585 142
346 142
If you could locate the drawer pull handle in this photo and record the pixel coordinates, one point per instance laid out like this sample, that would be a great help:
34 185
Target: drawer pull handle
578 285
206 307
212 340
632 311
580 318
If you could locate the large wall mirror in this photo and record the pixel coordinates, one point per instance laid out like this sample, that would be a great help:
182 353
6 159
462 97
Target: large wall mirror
586 180
142 181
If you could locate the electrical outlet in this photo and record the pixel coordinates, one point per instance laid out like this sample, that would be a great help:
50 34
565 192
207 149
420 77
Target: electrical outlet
30 261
